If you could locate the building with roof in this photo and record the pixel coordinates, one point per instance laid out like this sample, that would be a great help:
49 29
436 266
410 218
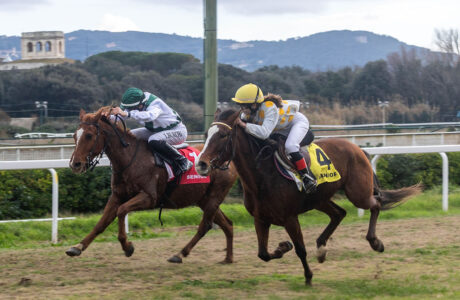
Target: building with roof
39 49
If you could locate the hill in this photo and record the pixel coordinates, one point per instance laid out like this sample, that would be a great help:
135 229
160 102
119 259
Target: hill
318 52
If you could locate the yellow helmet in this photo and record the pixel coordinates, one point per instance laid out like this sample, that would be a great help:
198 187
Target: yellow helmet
248 94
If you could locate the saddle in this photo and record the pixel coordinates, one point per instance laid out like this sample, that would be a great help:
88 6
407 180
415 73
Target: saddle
165 162
278 141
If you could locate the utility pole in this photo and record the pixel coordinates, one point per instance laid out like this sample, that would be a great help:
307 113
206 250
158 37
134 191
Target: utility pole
210 61
43 107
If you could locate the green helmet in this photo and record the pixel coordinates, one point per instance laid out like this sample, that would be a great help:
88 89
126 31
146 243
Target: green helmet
131 98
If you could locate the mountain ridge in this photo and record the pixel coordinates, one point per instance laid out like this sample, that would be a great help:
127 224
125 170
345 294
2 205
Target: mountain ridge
330 50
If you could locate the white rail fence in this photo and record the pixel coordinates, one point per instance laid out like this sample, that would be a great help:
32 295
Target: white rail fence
376 151
43 152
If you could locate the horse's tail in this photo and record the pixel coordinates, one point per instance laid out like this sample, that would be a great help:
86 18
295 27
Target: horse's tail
391 198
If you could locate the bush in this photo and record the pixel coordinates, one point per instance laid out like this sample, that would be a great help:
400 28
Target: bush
27 193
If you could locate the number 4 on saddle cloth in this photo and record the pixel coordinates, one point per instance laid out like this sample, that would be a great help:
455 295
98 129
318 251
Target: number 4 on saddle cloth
321 166
190 176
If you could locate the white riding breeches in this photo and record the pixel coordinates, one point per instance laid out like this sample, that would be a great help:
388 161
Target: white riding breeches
299 129
174 136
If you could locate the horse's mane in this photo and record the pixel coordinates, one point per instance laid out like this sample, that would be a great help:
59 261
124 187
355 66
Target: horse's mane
117 124
225 114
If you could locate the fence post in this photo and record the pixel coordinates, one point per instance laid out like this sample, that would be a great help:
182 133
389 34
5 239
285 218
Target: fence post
445 181
55 207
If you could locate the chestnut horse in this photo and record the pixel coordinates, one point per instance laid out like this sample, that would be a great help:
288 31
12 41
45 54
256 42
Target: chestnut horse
138 184
272 199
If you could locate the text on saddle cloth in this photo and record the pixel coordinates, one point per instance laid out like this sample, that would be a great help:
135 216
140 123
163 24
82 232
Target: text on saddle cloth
321 166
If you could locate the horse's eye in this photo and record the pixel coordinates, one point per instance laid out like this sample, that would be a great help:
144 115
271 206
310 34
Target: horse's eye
222 135
88 136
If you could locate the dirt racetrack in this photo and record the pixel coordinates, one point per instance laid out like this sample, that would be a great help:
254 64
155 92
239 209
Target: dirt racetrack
421 261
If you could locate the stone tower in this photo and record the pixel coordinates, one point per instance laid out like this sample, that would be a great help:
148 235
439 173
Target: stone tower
42 44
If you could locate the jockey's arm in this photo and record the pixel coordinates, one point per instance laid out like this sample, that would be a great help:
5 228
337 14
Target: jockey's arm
148 115
269 123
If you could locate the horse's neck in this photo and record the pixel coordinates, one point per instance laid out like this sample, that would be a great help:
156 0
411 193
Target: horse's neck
118 155
244 159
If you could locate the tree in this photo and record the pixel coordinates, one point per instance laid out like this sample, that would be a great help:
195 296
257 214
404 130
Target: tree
448 41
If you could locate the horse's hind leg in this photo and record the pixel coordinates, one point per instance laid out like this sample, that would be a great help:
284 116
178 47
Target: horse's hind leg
292 227
262 229
336 214
375 243
209 212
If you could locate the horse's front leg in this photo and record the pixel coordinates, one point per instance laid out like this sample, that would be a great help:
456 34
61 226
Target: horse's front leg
139 202
292 227
262 229
110 212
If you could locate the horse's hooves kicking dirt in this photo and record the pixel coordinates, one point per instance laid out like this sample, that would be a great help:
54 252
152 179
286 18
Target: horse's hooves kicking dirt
73 251
175 259
130 251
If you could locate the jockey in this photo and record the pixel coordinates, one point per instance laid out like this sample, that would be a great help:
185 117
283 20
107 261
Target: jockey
163 126
271 114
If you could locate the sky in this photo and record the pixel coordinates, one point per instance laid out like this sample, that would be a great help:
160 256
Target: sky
411 21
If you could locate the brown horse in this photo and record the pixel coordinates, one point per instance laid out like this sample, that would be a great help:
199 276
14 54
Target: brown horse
271 199
138 184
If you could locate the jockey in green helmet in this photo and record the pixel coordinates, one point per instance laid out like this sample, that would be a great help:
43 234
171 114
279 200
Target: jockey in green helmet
162 126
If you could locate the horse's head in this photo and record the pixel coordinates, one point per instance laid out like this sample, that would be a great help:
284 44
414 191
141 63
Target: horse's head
89 141
218 147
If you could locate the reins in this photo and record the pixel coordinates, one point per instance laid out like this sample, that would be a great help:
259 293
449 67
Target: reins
229 142
92 163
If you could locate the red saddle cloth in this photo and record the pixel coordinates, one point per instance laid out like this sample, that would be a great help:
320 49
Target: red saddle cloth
191 176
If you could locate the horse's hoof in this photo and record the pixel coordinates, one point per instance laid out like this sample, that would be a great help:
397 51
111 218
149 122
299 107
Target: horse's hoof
73 251
321 254
285 246
130 250
226 261
175 259
377 245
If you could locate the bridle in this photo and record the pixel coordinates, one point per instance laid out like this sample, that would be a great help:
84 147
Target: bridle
93 162
228 143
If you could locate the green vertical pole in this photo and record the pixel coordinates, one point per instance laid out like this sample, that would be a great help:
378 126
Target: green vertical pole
210 61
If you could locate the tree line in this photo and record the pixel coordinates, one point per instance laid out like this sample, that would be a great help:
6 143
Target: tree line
431 82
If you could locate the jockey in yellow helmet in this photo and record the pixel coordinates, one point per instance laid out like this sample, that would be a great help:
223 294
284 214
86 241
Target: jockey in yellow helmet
264 115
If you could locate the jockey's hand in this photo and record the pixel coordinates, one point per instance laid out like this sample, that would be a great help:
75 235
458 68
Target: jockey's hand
118 111
241 123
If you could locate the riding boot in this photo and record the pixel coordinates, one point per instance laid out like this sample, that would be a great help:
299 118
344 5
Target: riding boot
308 178
309 181
181 164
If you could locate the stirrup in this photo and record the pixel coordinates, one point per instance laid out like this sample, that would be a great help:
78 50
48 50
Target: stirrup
182 166
309 183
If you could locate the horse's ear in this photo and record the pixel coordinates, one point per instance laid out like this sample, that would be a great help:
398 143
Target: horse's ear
217 113
82 113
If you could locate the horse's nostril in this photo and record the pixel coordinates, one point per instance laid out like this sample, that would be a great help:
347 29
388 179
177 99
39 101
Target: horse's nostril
202 165
77 164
